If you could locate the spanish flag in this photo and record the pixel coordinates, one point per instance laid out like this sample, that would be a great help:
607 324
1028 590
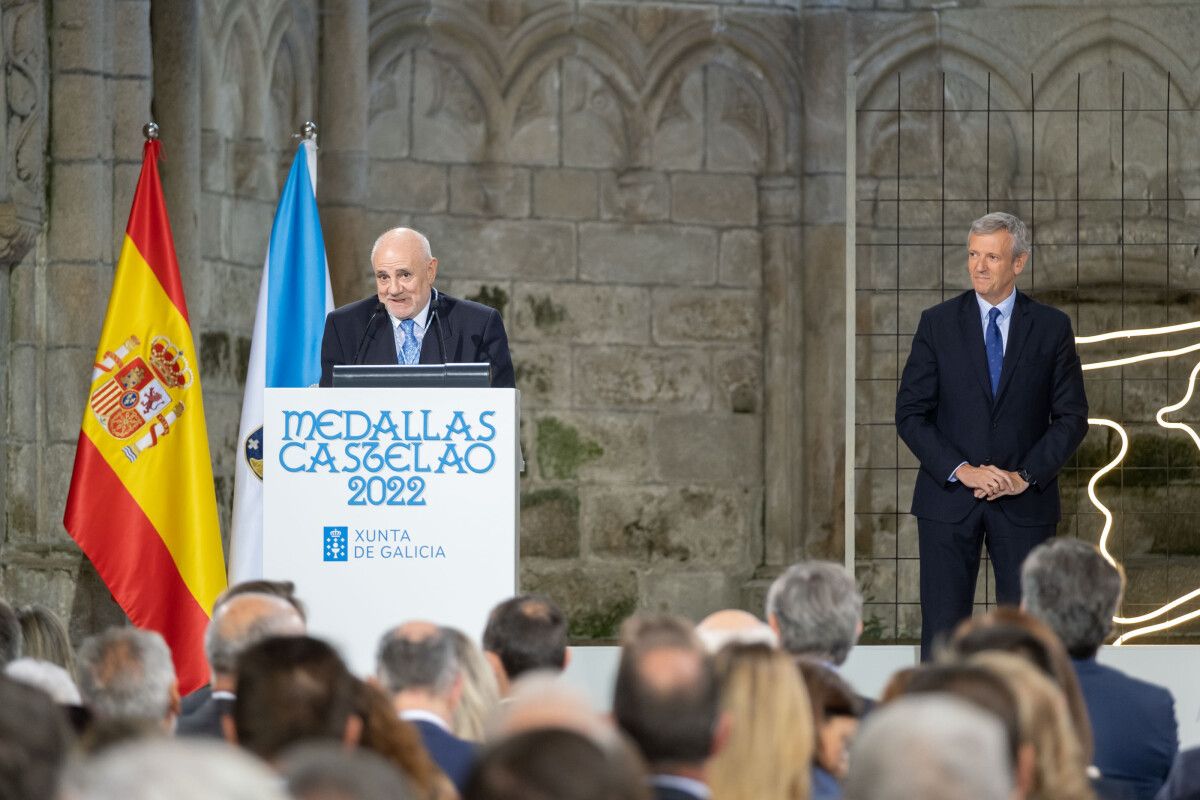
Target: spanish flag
142 504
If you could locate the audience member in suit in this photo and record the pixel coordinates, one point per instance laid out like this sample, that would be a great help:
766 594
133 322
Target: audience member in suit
666 700
816 609
415 665
524 634
282 589
408 321
237 622
1184 781
932 747
127 674
1076 591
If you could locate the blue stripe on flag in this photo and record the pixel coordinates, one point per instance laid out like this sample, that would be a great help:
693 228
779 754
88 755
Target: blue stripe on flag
296 284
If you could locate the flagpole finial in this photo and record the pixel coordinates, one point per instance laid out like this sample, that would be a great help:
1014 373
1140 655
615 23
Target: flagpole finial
308 131
150 131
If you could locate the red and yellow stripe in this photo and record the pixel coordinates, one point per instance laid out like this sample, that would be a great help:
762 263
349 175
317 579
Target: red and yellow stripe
150 525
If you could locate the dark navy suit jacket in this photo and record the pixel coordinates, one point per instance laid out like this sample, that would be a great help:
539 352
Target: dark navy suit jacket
1184 781
1133 725
469 332
454 756
946 414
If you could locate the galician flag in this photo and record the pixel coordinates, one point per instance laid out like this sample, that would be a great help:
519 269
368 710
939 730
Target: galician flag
141 504
293 299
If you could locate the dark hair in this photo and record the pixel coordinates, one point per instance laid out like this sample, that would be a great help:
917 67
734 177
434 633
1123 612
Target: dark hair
527 632
291 688
979 686
1005 638
34 739
829 694
671 720
10 634
553 764
283 589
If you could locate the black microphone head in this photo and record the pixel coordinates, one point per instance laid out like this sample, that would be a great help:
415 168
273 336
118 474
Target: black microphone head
378 307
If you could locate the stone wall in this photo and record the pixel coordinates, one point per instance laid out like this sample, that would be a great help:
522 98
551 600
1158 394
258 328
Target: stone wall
651 193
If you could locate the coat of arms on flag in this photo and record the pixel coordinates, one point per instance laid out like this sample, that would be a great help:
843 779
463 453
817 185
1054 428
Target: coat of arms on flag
132 391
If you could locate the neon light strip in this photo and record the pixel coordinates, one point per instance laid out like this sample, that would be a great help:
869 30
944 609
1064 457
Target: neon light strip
1104 337
1163 422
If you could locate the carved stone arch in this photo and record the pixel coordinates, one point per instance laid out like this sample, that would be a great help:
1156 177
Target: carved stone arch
985 154
744 49
238 35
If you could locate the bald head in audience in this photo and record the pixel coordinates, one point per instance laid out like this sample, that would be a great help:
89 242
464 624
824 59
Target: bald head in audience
734 626
240 621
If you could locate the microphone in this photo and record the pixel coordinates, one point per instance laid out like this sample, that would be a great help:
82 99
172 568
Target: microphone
437 301
362 342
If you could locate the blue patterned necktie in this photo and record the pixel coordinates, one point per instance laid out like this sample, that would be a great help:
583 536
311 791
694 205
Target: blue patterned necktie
408 349
994 344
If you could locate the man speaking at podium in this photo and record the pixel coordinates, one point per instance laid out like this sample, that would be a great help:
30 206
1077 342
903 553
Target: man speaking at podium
992 404
408 321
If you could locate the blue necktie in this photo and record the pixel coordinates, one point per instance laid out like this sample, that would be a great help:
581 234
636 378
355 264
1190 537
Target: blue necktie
408 349
994 344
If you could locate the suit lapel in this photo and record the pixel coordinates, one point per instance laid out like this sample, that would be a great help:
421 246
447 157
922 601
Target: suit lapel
972 333
1018 335
382 348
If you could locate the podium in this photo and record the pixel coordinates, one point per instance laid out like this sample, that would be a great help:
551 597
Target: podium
386 505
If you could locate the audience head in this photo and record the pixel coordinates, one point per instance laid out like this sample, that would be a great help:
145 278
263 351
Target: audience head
835 712
292 688
10 634
816 609
554 764
932 747
543 700
172 769
324 771
45 638
1060 766
988 692
480 691
415 664
127 673
734 626
285 590
34 740
768 754
1011 630
50 678
1070 586
526 633
238 622
666 696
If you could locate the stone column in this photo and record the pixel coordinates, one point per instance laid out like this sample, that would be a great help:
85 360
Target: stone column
342 165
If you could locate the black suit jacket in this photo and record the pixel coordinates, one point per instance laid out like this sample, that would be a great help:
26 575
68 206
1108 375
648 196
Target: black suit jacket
205 719
946 414
470 332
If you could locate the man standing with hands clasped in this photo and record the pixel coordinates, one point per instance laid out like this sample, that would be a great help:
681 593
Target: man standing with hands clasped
992 404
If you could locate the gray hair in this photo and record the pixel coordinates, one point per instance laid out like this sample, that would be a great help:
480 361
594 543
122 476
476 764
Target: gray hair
244 620
426 251
1000 221
428 663
934 747
50 678
126 673
324 770
1071 587
817 608
173 769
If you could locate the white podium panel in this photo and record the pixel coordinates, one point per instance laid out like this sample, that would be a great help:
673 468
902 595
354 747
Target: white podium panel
385 505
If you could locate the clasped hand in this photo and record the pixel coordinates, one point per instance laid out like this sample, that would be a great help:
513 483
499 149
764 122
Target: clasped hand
990 482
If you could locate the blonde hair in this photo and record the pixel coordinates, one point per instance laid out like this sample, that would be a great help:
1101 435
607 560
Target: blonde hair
1061 767
480 693
770 749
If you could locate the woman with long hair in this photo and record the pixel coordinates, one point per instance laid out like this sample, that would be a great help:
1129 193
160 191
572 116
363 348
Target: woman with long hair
768 754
